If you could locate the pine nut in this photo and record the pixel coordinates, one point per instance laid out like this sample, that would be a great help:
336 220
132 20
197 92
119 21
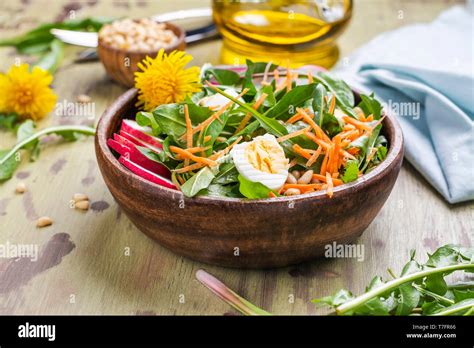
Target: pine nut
20 188
82 205
296 174
292 192
44 221
306 177
291 179
84 98
78 197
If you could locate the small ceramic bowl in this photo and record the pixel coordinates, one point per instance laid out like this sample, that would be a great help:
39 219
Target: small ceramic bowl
121 65
239 232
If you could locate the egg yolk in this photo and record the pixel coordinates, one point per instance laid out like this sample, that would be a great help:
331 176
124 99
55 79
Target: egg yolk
262 155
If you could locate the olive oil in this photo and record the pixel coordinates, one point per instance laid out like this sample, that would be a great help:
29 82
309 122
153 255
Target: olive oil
276 30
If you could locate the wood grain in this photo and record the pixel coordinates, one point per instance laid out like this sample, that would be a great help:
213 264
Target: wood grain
114 269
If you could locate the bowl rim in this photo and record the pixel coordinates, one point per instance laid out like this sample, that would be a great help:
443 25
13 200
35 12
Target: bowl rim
112 111
177 30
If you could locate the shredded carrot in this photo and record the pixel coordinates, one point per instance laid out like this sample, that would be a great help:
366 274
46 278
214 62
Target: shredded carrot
309 120
216 115
186 154
302 152
189 168
293 134
207 138
292 163
370 118
357 124
288 76
271 194
348 127
197 149
353 151
332 106
294 118
248 115
314 157
226 150
324 164
310 77
336 182
330 185
180 179
276 75
336 158
221 139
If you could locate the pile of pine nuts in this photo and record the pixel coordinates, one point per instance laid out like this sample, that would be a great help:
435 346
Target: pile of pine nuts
142 35
299 177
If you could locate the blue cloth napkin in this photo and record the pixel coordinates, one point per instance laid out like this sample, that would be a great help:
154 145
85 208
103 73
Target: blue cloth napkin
425 74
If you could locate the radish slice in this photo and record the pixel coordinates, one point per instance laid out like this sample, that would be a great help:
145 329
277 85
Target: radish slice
134 155
142 133
137 141
118 147
146 174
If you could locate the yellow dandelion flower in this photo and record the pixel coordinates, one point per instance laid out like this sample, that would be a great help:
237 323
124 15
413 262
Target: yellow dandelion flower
26 93
164 79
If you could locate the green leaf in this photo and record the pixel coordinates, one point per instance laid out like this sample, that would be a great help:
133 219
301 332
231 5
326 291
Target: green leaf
7 121
337 299
370 106
223 76
343 93
199 181
254 68
7 169
146 119
170 120
351 172
457 308
408 299
444 256
287 105
436 284
382 152
227 174
253 190
25 130
51 59
319 103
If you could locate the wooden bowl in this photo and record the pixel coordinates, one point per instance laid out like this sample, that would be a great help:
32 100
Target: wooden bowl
246 233
121 65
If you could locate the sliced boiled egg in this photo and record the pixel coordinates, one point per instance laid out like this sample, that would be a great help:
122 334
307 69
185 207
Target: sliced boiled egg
262 160
216 101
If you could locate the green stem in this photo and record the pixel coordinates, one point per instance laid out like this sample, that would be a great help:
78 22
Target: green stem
455 309
356 302
433 295
77 129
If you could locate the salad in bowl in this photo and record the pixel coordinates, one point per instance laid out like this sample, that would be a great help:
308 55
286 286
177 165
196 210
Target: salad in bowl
252 132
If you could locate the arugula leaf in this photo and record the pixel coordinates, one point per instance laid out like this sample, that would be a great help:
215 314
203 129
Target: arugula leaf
319 104
146 119
253 190
351 172
8 167
343 93
8 163
198 182
254 68
170 120
227 174
370 106
286 107
223 76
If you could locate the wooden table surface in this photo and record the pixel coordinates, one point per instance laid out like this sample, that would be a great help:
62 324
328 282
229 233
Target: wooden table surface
97 262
